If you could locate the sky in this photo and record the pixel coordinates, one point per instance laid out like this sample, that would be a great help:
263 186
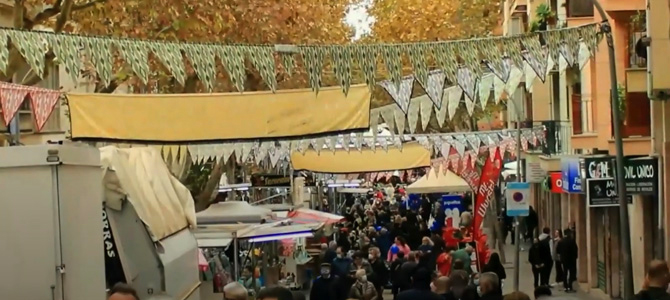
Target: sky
358 17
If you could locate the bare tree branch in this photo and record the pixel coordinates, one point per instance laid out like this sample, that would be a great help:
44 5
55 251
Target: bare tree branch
87 5
64 15
19 11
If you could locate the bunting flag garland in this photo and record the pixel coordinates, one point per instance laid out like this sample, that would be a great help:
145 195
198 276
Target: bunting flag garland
453 147
485 88
467 80
43 102
100 52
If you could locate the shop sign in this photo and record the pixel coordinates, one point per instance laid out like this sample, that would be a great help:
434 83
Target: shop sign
556 182
641 174
113 268
571 179
272 180
601 192
534 172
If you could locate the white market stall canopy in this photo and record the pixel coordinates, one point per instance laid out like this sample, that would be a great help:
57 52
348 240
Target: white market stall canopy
308 216
438 183
234 212
217 235
275 231
140 175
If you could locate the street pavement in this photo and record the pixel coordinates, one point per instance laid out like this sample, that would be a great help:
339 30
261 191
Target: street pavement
526 278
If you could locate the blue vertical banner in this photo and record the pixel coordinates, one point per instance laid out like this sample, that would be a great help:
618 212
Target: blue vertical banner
453 207
572 180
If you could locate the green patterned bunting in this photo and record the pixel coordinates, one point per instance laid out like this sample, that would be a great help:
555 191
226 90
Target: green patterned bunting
288 61
202 59
417 56
170 56
341 56
262 57
66 49
136 55
232 59
101 53
393 63
33 47
445 56
366 55
313 59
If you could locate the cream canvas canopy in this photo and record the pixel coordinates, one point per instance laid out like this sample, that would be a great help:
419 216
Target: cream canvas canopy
436 182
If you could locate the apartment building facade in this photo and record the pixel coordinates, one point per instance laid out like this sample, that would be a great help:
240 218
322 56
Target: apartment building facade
575 107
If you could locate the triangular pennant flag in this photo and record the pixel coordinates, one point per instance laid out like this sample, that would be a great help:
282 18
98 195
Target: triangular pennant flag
445 166
502 69
346 140
535 55
10 102
514 80
550 66
358 141
423 141
399 122
437 142
426 112
530 76
467 80
401 94
397 142
413 115
454 94
227 152
562 65
441 113
445 150
332 143
318 144
372 143
459 144
470 105
435 87
43 103
485 87
584 55
388 114
436 163
498 89
474 141
383 142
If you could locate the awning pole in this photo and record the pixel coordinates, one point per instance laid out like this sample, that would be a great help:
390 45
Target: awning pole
236 258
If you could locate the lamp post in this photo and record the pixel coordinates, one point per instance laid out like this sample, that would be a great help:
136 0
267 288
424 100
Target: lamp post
606 29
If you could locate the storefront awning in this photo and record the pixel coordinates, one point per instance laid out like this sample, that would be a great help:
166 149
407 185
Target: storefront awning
215 117
306 216
412 155
268 232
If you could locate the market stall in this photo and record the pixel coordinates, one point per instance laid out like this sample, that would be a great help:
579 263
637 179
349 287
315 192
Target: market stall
231 212
433 182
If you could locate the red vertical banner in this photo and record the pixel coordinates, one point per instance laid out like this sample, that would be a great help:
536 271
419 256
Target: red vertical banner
487 183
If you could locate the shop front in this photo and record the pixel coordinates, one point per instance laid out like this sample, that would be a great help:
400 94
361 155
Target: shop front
573 207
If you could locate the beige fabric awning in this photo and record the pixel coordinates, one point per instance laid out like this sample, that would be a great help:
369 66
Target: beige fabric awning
212 117
436 182
411 156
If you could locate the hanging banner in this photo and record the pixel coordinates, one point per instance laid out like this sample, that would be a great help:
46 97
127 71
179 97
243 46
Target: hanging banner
489 179
113 268
472 177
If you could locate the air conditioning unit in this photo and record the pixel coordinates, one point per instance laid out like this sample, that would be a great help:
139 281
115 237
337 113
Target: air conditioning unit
659 21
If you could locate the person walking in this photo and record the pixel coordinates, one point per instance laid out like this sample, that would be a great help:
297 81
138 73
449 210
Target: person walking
406 271
362 289
558 235
463 255
325 286
531 223
395 273
535 260
341 263
401 246
546 255
380 272
444 262
568 253
656 282
494 265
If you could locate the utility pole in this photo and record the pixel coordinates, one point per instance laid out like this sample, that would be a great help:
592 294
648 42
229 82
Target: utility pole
628 288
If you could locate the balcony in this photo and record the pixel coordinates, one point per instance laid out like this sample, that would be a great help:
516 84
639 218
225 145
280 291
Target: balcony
636 64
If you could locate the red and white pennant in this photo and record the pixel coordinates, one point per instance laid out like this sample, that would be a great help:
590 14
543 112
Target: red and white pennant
42 102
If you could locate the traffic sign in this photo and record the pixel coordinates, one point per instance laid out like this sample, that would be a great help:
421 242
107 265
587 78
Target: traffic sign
518 197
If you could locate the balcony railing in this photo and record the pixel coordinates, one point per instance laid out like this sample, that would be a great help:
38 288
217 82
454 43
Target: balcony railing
557 135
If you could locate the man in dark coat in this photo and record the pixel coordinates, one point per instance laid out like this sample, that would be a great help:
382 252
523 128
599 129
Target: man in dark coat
395 273
656 282
567 254
325 286
546 256
406 271
420 288
380 273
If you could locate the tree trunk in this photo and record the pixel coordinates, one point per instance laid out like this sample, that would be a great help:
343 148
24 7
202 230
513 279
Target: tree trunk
204 198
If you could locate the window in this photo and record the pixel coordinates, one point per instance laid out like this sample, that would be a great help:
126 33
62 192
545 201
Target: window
637 31
637 111
580 102
579 8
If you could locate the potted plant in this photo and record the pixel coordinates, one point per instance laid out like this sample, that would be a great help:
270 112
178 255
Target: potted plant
545 15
